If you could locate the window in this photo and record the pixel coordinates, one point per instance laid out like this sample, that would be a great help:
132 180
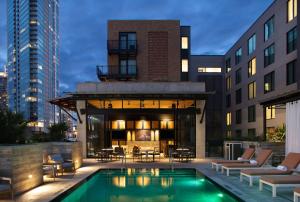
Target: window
251 132
184 42
270 112
228 100
269 55
238 133
228 65
228 133
269 82
228 118
291 9
269 28
210 69
238 56
291 72
228 83
184 65
238 96
251 113
251 44
252 67
238 116
127 66
238 76
251 90
127 40
291 40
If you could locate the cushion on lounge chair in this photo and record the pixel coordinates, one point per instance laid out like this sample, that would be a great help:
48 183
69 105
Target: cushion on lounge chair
263 156
221 161
55 158
291 161
290 179
297 190
272 171
240 165
248 153
4 187
67 165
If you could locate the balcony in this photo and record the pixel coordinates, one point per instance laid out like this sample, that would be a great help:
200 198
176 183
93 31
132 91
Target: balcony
127 47
117 72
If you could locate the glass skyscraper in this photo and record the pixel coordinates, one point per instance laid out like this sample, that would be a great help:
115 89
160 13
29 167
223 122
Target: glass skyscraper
33 59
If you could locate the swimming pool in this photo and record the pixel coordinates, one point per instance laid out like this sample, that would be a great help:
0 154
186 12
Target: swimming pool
143 185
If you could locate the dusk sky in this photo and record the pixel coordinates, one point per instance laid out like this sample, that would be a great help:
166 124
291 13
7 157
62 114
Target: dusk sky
215 25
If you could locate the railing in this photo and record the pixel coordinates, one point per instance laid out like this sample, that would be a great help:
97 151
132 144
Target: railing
116 72
122 46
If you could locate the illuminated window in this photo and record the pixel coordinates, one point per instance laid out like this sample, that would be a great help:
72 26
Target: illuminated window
115 104
96 103
184 42
252 90
228 83
168 104
251 44
228 119
270 112
166 124
210 69
252 67
31 99
131 104
142 124
291 9
186 103
269 82
118 125
150 104
184 65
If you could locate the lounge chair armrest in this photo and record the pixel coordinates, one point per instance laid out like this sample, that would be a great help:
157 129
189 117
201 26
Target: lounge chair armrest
6 179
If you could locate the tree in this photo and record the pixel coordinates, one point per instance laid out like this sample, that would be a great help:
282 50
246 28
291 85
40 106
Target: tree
57 132
12 127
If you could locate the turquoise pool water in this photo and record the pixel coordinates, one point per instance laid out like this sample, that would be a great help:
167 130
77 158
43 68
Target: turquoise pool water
145 185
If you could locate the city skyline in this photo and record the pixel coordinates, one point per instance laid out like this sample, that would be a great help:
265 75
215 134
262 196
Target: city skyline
78 65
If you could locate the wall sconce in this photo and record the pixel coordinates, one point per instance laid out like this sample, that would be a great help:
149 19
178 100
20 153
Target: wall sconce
30 176
133 136
152 135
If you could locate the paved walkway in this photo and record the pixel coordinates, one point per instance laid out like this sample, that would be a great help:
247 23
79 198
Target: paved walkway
51 189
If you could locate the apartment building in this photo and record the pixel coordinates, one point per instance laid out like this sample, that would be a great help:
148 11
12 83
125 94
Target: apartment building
262 65
3 90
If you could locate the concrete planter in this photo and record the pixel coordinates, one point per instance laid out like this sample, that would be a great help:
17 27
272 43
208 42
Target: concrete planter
23 163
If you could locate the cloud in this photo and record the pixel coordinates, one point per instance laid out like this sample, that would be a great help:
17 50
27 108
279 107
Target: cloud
216 25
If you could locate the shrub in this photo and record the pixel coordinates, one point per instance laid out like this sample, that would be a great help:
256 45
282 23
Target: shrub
57 132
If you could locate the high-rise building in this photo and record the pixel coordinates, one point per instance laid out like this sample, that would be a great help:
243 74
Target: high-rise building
3 89
33 59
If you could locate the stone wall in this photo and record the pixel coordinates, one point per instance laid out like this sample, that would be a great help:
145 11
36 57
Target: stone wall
23 163
142 144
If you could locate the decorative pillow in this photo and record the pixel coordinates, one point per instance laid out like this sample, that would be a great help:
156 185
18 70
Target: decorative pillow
240 159
253 162
281 167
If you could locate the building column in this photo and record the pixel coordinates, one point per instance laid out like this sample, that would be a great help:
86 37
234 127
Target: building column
200 130
81 127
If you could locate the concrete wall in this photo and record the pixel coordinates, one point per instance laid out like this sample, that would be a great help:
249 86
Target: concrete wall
23 163
81 127
200 131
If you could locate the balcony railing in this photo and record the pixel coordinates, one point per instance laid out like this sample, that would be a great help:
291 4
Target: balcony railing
122 46
117 72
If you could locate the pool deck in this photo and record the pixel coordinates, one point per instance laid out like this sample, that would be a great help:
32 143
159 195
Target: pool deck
52 189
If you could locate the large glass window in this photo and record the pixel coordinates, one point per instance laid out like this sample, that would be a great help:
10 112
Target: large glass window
270 112
127 66
228 83
251 113
252 90
251 44
291 72
252 67
184 65
238 116
238 96
228 65
269 55
127 40
238 76
291 40
228 118
291 9
228 100
269 82
269 28
184 42
238 56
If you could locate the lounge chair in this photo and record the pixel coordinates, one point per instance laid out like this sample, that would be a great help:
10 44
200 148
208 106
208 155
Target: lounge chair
261 159
136 153
290 162
296 194
247 155
62 164
6 187
279 181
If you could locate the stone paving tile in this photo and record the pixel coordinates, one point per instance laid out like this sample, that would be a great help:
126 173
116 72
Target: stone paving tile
50 189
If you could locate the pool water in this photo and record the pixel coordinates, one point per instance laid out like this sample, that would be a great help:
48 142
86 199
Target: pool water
145 185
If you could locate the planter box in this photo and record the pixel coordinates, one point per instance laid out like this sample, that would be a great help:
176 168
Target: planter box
23 163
